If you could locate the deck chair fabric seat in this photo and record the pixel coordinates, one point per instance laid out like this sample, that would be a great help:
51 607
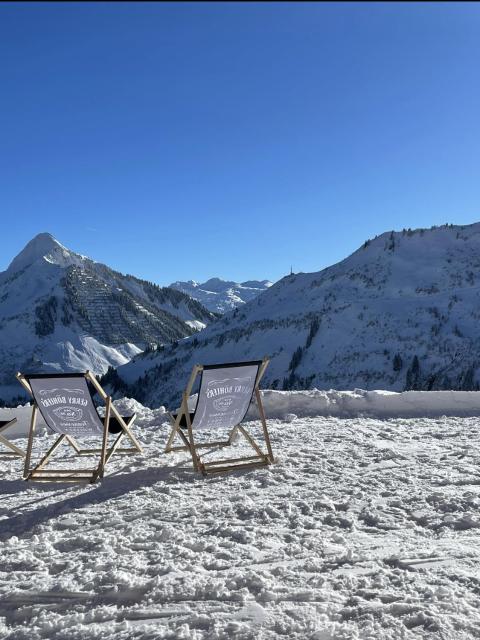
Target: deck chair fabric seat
65 401
225 394
13 450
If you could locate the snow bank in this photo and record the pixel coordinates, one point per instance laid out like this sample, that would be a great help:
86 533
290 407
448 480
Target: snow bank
23 414
126 406
379 404
287 405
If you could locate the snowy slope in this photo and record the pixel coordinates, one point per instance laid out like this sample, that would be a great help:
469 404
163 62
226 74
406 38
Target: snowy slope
403 311
62 311
362 529
221 296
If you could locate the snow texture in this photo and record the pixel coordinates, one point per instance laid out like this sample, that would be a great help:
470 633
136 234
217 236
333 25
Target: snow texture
364 528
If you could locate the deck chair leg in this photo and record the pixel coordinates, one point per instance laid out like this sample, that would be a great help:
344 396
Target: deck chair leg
46 457
101 465
176 429
195 459
232 435
11 446
171 437
126 428
72 442
184 447
113 448
264 424
186 444
251 441
184 411
185 439
33 422
14 450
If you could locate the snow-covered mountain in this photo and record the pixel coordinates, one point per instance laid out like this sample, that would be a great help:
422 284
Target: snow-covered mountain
62 311
221 296
402 312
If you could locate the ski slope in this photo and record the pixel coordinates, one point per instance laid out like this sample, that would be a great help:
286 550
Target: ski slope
365 527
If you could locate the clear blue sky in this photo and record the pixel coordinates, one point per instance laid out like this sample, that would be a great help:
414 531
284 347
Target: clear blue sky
179 141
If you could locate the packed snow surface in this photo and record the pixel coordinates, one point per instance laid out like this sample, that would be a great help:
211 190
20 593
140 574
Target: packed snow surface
363 528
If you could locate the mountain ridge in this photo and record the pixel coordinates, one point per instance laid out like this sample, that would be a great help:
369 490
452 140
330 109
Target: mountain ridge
400 312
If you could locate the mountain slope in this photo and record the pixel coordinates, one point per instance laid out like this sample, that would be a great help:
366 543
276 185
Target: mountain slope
62 311
221 296
403 311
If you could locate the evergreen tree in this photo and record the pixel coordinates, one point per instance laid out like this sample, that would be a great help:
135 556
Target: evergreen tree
468 382
397 362
314 327
413 375
296 358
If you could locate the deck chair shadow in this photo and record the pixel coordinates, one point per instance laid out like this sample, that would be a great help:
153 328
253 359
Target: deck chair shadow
13 450
225 394
66 404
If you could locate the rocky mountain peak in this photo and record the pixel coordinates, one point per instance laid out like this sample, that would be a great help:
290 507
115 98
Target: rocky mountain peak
43 247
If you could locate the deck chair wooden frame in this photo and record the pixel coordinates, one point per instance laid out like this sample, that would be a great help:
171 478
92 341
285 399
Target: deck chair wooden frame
187 434
13 449
38 473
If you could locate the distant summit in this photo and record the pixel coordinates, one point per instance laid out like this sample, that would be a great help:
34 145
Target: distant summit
220 296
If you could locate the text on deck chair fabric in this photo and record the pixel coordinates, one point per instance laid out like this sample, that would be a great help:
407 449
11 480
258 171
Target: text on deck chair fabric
224 396
66 405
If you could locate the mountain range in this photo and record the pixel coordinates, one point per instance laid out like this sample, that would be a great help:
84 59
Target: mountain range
401 312
220 296
61 311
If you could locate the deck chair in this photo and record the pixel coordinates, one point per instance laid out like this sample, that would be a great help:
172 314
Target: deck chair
224 396
65 402
13 449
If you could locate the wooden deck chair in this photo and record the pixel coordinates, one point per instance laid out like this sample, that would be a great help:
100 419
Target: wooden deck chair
13 449
65 402
224 396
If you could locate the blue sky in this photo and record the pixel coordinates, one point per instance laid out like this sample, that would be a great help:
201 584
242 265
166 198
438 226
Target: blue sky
184 141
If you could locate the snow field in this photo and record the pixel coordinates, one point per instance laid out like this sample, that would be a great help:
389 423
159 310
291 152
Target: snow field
364 528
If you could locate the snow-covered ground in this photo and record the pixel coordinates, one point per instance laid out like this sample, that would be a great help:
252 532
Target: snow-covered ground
363 528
